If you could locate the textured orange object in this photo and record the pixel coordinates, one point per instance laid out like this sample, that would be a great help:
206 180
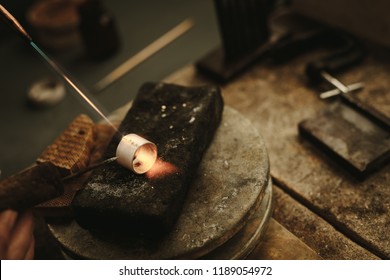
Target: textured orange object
71 151
60 206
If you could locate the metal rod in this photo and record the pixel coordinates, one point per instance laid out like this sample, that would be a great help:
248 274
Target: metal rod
61 72
20 30
336 91
339 85
144 54
89 168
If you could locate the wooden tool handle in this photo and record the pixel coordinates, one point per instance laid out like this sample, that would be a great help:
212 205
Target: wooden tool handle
30 187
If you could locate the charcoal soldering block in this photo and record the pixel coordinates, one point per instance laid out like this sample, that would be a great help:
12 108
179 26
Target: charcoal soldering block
181 121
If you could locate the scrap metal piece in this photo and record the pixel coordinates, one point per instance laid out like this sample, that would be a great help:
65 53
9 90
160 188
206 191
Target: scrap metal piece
333 81
358 143
336 91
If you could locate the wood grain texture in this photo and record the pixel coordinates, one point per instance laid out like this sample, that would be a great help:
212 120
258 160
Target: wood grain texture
315 232
273 246
276 99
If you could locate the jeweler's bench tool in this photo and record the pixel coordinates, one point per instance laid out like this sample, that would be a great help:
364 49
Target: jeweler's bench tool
361 144
350 54
245 38
350 131
134 155
30 187
347 54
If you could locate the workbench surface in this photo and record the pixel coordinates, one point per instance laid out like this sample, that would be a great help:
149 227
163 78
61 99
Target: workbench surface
321 211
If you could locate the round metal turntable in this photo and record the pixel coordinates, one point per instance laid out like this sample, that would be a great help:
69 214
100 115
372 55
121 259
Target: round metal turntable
226 211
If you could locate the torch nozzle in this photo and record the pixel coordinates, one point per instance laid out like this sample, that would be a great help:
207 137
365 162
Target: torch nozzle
14 23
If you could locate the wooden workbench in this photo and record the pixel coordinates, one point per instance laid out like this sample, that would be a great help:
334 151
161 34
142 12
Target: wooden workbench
321 211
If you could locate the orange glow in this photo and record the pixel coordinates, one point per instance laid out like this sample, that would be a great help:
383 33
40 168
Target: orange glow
144 158
161 169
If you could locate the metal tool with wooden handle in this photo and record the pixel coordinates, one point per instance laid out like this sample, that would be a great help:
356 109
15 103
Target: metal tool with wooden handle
30 187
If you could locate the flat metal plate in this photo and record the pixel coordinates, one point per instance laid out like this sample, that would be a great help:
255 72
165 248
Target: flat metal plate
352 139
229 189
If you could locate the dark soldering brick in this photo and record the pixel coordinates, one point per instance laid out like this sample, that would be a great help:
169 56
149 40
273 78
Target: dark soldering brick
181 121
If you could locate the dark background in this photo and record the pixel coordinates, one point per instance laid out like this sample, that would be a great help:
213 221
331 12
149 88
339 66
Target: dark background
26 131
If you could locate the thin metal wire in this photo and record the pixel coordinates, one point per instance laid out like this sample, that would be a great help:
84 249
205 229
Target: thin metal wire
89 168
145 53
61 72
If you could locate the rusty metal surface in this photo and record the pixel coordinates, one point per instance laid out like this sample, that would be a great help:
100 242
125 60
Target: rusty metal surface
276 99
229 188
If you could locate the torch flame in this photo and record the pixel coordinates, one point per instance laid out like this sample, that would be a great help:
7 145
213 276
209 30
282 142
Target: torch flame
161 169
